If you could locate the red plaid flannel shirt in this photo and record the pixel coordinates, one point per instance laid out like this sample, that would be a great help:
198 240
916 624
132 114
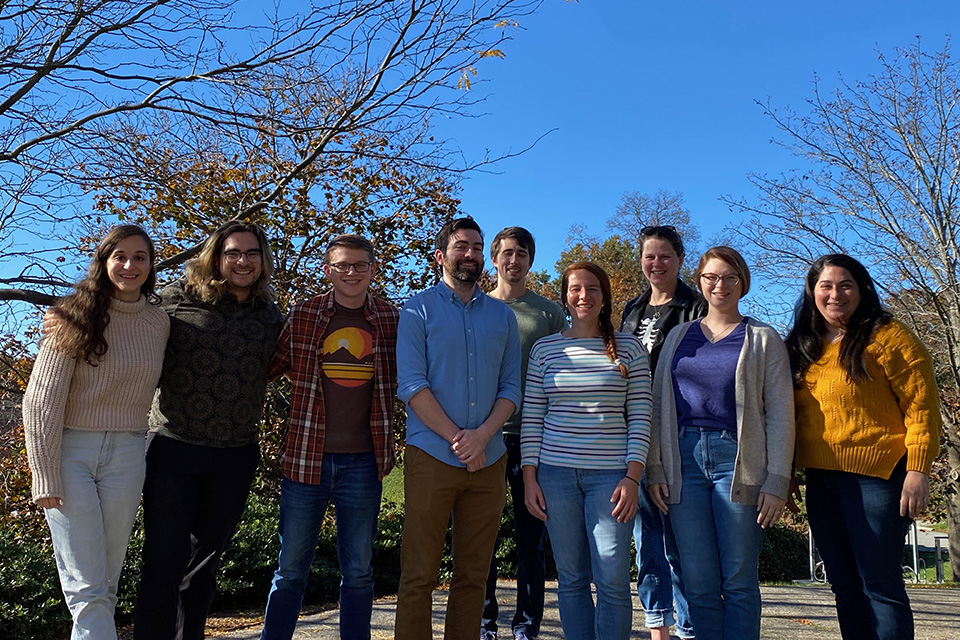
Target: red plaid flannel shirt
297 356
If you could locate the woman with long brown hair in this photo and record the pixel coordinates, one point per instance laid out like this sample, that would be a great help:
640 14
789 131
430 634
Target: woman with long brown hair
584 439
868 428
85 418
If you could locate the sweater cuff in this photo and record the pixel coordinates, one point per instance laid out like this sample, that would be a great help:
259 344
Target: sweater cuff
654 474
46 485
776 485
920 458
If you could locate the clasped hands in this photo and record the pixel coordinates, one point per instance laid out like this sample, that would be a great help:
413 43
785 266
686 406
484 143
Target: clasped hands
469 445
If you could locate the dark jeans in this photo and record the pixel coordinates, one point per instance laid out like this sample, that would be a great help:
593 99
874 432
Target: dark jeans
859 532
530 536
659 577
193 498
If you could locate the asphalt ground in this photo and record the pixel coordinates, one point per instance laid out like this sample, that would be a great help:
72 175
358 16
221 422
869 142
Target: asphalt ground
790 612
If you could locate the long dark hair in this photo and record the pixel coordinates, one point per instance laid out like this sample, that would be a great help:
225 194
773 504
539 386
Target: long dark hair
84 314
606 309
805 342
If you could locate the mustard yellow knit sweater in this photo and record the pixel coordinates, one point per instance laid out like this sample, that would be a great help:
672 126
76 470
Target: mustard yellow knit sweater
868 426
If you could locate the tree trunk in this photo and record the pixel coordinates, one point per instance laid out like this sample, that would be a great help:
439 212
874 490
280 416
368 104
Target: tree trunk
952 496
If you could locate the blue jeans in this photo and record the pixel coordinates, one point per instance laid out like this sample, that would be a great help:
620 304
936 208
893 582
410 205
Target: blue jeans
102 475
859 532
588 542
719 540
659 577
350 479
530 535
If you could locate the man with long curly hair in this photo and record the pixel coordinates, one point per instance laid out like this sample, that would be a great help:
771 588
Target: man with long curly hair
204 439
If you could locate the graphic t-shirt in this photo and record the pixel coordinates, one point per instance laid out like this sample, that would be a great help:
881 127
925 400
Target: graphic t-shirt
647 329
347 370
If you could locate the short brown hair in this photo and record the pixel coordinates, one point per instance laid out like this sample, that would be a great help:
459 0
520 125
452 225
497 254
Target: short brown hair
349 241
520 235
733 258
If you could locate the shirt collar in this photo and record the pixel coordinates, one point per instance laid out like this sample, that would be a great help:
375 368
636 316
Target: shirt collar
449 294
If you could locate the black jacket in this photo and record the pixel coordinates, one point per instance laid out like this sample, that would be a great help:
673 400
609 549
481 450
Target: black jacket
686 305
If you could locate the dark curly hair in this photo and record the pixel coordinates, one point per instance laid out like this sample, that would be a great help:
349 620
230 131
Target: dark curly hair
83 315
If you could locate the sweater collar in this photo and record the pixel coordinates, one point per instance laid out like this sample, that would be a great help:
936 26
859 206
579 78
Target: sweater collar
121 306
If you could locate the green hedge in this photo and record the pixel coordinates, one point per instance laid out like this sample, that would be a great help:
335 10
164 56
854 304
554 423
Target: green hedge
34 608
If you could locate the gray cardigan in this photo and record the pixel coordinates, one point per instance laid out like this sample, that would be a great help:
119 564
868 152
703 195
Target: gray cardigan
765 418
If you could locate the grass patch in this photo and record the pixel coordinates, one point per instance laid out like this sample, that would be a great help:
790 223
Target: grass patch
928 567
393 486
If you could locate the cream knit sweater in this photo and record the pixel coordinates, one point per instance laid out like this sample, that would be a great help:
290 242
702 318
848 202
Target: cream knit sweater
115 395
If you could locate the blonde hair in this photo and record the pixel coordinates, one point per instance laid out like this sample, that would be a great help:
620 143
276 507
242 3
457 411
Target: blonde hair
204 279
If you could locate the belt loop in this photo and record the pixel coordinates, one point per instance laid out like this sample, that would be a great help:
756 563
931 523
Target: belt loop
683 431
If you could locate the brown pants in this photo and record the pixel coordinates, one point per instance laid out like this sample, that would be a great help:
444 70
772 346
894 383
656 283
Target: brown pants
433 490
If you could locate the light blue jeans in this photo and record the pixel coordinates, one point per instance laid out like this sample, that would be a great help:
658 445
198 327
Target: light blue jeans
102 474
719 541
588 542
350 480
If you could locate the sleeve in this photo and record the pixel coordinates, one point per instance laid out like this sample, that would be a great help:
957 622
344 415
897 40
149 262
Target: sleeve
44 404
779 416
534 410
639 401
280 362
627 308
909 369
411 352
509 385
662 390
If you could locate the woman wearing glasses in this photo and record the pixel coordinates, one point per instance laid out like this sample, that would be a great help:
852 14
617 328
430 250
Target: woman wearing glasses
722 447
868 429
85 419
650 316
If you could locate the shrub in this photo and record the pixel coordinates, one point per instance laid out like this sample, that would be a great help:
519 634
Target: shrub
30 591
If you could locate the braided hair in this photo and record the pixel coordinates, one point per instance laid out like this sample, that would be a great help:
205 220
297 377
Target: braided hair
606 308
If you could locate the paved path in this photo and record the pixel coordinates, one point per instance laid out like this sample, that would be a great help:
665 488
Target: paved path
800 612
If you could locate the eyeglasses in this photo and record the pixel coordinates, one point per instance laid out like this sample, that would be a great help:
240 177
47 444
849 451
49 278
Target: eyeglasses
658 230
344 267
712 279
253 255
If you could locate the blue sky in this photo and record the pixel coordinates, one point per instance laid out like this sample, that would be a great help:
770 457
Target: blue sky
660 95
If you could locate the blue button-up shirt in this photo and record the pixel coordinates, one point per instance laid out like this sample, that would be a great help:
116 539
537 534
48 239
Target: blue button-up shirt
468 355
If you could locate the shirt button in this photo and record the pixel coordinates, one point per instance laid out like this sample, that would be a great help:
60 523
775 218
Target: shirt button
473 404
471 378
471 354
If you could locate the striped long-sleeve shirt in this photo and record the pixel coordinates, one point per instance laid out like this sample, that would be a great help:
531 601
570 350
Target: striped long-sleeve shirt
578 411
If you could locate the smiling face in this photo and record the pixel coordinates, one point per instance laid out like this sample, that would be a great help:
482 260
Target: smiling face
128 266
837 296
660 264
584 299
513 262
463 259
722 296
240 273
349 288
